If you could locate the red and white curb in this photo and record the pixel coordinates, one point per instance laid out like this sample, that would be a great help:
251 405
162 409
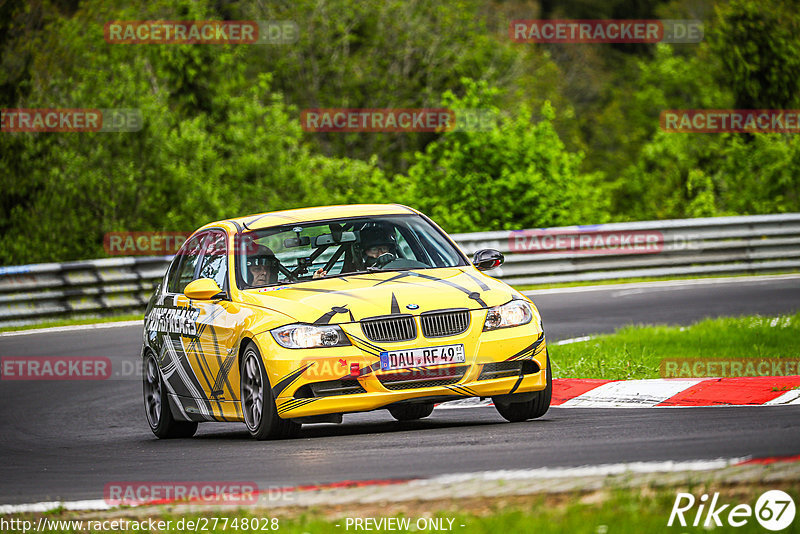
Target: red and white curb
666 392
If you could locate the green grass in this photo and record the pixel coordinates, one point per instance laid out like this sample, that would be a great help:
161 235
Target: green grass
636 352
630 511
531 287
70 322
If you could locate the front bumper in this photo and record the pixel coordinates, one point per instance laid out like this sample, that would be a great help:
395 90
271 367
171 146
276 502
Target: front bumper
292 373
372 400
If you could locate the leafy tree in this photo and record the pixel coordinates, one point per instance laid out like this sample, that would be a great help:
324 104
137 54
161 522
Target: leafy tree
516 175
655 185
758 44
214 144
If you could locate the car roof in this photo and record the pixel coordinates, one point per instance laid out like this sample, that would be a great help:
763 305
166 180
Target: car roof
302 215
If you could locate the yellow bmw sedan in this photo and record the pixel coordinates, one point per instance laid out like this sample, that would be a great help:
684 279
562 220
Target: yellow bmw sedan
300 316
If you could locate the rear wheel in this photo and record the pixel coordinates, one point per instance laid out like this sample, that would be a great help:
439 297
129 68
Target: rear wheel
409 412
258 404
531 409
156 405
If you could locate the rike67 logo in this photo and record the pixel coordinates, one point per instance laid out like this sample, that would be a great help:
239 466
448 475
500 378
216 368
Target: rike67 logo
774 510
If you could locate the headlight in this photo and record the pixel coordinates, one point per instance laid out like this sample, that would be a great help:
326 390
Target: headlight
306 336
514 313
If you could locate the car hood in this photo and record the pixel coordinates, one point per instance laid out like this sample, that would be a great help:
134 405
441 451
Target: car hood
355 297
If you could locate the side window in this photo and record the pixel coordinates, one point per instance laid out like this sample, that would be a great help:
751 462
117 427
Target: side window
215 259
184 267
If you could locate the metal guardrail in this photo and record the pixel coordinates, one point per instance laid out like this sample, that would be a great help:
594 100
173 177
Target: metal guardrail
717 245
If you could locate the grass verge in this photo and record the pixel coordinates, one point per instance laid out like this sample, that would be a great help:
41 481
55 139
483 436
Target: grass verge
530 287
629 510
71 322
636 351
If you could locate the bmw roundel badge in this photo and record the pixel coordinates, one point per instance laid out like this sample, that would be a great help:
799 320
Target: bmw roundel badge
412 306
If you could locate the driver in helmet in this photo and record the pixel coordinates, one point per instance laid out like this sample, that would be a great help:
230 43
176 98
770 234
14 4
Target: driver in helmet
379 245
262 267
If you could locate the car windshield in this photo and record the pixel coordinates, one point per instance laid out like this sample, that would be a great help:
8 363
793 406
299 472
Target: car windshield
301 252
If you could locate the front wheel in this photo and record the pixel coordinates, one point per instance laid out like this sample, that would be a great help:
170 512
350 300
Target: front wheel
410 412
156 405
536 407
258 404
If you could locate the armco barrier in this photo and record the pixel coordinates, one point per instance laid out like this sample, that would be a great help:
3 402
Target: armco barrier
718 245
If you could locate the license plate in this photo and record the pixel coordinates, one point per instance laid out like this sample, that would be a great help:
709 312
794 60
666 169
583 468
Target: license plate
403 359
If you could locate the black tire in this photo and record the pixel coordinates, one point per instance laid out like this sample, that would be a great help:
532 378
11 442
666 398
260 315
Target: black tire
263 422
515 412
156 405
410 412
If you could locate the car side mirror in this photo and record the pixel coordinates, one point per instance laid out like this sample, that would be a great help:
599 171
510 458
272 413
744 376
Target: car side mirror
203 289
487 258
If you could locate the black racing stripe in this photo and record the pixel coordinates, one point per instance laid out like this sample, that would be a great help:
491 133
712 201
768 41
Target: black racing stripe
289 405
478 281
395 307
196 350
183 361
300 403
265 215
529 349
223 362
181 389
517 383
325 318
398 280
393 278
477 298
368 351
465 390
329 292
368 370
456 389
471 294
222 375
367 343
284 383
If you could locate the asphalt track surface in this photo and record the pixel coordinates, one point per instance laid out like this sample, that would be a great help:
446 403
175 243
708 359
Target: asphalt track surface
67 440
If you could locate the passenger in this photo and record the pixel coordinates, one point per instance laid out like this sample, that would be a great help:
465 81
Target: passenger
262 267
